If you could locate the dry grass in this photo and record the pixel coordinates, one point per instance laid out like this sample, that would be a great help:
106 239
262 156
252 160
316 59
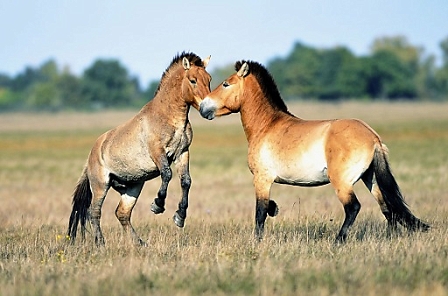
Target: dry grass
41 157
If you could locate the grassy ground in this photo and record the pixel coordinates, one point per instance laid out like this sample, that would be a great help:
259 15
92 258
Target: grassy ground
42 156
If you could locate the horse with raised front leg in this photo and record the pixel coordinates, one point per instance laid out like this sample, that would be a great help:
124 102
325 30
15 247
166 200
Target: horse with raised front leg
143 148
286 149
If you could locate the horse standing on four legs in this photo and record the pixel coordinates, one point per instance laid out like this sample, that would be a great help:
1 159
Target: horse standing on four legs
143 148
285 149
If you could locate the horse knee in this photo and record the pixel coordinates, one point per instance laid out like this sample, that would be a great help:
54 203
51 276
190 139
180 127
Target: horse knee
185 181
352 209
122 216
166 174
95 214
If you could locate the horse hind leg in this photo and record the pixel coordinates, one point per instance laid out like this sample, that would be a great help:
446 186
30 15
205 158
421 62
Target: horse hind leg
129 196
99 191
351 208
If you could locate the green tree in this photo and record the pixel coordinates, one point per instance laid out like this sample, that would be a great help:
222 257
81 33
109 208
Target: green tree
70 90
5 81
44 92
441 75
400 47
338 75
23 80
389 77
9 100
296 74
426 79
107 84
396 67
44 96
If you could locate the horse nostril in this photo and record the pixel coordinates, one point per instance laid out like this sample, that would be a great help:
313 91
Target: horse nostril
205 112
207 109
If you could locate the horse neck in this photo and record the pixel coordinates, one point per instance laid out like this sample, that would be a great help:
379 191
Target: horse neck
257 113
169 99
172 105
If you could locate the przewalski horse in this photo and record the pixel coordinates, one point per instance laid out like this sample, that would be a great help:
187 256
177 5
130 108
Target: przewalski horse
143 148
289 150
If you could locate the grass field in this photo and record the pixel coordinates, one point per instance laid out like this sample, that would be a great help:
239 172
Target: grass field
42 156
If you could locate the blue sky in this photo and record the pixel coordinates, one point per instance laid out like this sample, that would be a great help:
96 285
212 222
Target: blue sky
146 35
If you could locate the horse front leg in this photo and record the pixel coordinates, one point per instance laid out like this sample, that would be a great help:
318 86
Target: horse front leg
158 206
263 205
183 171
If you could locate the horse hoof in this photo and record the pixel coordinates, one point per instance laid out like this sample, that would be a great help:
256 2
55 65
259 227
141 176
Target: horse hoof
142 243
99 241
178 220
156 209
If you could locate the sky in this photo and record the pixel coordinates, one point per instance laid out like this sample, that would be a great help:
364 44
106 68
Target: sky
145 35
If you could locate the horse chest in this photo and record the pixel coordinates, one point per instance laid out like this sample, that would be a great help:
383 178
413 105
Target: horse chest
178 143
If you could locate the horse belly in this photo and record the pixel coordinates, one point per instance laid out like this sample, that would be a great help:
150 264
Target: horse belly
133 168
301 168
303 174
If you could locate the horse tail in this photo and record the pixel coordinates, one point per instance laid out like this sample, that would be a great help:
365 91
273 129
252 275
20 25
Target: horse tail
391 192
82 198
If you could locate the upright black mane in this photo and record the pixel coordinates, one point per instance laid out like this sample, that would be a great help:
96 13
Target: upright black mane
266 82
191 57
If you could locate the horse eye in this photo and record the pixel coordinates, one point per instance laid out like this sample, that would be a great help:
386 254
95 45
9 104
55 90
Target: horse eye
193 81
225 84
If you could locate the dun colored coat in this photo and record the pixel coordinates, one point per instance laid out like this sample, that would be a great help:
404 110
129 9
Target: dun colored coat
289 150
143 148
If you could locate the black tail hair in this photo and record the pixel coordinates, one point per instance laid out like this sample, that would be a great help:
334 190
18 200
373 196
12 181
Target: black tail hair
392 195
82 197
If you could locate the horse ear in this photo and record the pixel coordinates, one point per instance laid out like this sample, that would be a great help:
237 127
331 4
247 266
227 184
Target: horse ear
243 71
206 60
186 63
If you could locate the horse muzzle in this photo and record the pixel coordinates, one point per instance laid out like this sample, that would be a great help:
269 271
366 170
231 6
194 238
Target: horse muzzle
207 109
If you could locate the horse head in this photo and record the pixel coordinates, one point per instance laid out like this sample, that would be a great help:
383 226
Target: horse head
226 98
195 80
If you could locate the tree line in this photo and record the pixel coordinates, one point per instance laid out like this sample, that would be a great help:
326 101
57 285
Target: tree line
394 69
105 84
